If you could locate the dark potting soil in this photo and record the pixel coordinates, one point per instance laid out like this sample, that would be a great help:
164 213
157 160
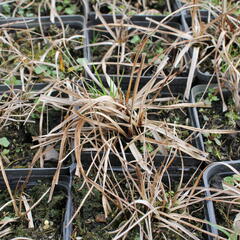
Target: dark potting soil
220 146
208 65
47 216
16 141
32 45
122 58
226 213
91 224
133 7
28 8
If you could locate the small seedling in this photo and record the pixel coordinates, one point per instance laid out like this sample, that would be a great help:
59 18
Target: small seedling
232 180
4 142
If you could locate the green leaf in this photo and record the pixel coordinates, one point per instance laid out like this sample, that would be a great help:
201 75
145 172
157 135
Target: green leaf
59 8
214 98
209 149
205 118
18 150
135 39
4 142
206 135
6 8
229 180
13 81
5 151
159 50
82 61
217 142
236 177
70 10
38 70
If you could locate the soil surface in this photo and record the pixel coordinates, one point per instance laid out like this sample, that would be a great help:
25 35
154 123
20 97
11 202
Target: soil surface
133 7
225 213
223 147
91 224
33 44
18 153
47 217
29 8
155 49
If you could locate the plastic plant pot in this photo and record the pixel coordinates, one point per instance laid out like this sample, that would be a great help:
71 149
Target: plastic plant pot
213 177
95 31
172 176
174 6
36 89
187 12
73 22
31 177
175 88
199 90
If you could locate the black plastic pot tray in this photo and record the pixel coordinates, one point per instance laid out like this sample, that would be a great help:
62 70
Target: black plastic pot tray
187 13
174 6
77 22
19 177
171 176
212 178
39 88
175 88
189 164
92 28
33 87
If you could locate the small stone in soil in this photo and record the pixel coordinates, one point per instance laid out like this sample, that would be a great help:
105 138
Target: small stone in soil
100 218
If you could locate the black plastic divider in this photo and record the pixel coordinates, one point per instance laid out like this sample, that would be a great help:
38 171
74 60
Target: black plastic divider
18 177
203 77
175 86
189 163
199 90
194 112
92 27
33 87
213 173
174 5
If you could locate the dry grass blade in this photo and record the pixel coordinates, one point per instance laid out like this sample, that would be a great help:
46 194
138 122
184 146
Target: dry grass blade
21 238
191 72
5 232
29 213
8 187
38 201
